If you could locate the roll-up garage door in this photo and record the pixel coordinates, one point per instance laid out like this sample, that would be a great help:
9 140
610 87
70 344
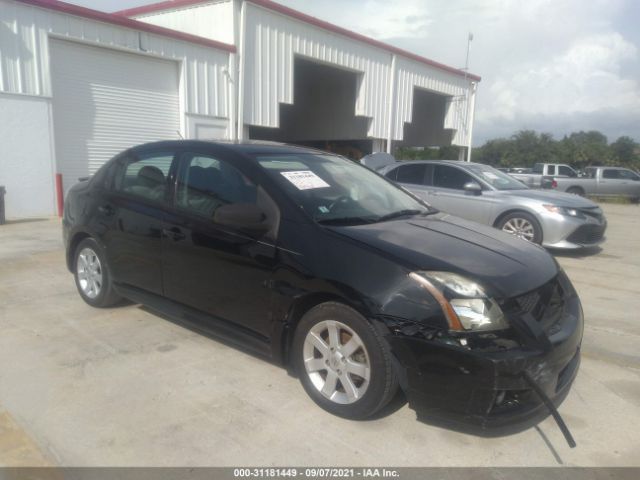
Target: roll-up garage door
105 101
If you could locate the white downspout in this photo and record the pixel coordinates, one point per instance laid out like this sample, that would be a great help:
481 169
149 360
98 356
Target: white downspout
392 103
241 72
233 94
472 111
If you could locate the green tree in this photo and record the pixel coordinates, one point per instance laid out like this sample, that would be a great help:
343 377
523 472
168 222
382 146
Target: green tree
526 147
625 151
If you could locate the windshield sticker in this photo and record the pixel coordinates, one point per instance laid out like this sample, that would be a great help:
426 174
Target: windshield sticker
490 175
323 209
305 180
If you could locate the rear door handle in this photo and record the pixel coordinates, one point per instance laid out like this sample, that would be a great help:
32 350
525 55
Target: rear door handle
106 210
174 233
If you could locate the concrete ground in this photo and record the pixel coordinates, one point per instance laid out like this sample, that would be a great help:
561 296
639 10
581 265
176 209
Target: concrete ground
83 387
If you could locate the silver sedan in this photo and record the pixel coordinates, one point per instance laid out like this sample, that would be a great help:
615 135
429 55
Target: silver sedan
483 194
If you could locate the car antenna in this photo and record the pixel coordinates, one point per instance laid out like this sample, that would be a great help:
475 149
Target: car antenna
552 409
179 134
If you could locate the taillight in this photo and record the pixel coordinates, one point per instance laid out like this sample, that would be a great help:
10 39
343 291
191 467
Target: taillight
554 184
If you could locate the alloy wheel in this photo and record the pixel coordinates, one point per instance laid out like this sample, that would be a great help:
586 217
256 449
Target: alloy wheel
336 361
520 227
89 273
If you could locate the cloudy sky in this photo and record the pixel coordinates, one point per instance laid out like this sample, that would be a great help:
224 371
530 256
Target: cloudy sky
555 66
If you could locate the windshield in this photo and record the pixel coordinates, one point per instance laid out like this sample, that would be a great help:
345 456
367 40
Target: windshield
334 190
495 178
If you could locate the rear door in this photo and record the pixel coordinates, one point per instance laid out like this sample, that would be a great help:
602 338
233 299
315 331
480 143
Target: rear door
134 210
413 176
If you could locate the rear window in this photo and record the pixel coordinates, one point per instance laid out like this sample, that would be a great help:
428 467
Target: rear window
412 173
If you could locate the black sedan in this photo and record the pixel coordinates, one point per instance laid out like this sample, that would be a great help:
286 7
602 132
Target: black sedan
330 269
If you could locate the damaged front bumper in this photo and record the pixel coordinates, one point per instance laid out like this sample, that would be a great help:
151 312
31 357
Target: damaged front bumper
484 390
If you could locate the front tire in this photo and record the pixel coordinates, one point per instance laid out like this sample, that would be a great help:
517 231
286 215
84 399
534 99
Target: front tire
343 362
92 276
522 225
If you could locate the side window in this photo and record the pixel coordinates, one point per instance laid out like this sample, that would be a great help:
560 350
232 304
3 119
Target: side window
392 175
205 183
551 169
412 173
450 177
144 176
627 175
566 171
610 173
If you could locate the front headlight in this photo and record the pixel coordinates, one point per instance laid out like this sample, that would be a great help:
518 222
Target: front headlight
567 212
463 302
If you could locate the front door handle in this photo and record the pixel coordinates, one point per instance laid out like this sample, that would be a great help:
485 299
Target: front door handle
174 233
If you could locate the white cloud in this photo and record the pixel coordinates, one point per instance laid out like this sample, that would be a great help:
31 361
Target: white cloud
584 78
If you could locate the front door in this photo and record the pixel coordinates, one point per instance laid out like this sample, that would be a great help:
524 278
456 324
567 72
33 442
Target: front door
217 269
449 195
616 181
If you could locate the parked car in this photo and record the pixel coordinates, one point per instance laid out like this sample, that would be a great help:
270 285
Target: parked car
483 194
603 182
534 178
328 268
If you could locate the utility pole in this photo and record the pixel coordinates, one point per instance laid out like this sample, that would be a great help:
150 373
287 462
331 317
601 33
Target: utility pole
471 98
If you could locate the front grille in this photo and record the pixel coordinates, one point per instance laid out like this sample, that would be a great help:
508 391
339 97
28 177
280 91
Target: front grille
587 234
545 304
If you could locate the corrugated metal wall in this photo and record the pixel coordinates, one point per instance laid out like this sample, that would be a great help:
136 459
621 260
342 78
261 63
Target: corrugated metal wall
272 41
24 54
412 74
212 20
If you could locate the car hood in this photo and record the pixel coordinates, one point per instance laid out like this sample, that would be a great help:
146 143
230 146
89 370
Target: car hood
560 199
506 266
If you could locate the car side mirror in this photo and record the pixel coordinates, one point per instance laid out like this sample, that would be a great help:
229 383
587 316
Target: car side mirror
472 188
243 216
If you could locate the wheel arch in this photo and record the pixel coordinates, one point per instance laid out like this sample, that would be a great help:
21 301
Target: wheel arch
77 237
509 211
298 309
522 210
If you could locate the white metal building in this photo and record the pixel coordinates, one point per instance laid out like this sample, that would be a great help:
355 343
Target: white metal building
78 86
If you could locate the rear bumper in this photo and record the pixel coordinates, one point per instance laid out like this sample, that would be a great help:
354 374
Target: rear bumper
485 392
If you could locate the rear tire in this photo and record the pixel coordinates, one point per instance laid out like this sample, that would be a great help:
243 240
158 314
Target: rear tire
343 362
576 191
522 225
91 272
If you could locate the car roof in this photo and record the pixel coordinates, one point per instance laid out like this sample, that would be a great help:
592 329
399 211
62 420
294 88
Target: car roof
242 146
607 166
445 162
